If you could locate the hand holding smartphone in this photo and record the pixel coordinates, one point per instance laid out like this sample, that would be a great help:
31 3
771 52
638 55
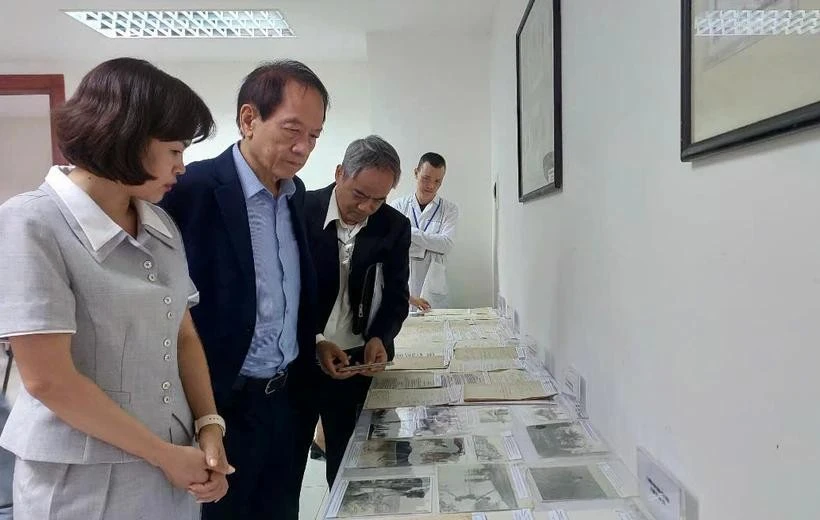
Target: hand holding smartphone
355 357
364 368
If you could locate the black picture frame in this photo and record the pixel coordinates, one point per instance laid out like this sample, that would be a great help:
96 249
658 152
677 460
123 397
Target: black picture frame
524 193
800 118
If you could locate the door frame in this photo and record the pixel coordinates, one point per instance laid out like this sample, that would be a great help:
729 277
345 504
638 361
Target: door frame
52 85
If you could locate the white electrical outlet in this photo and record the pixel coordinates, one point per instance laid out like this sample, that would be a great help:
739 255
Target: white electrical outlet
662 493
509 311
549 360
576 387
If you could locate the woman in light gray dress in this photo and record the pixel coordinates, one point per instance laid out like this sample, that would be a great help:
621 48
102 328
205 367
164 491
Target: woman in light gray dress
94 294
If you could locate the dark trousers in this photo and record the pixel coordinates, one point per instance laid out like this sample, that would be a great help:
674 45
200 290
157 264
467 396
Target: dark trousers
260 434
339 403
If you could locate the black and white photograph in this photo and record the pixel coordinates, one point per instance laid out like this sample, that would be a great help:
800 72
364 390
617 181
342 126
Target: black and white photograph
437 421
618 512
450 414
434 427
542 414
567 483
392 496
387 453
392 430
482 487
422 427
392 415
494 515
490 448
562 440
494 415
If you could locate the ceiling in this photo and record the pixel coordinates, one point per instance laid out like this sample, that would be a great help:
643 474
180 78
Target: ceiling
332 30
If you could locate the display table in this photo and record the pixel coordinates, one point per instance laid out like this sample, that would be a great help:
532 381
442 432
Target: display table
467 424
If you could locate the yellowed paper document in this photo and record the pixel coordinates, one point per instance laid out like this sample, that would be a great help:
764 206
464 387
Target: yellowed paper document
406 379
377 399
426 362
482 353
521 391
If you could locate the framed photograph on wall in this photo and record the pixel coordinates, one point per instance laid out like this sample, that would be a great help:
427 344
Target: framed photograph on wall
749 72
538 75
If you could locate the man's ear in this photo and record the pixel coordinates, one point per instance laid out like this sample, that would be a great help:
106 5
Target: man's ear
340 174
247 116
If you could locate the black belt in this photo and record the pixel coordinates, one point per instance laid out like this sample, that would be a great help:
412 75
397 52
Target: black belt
265 385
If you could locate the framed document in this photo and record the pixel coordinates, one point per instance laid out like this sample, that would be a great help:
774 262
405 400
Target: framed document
538 71
748 71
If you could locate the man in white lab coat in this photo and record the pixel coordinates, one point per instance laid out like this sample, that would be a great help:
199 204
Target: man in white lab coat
433 226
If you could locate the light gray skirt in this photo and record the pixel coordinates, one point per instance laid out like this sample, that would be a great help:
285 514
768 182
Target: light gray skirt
128 491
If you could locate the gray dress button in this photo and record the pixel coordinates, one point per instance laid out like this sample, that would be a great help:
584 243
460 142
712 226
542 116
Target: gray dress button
152 277
166 399
166 385
167 342
167 357
167 300
148 264
170 315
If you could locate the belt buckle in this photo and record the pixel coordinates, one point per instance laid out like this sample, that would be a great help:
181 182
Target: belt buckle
268 389
275 379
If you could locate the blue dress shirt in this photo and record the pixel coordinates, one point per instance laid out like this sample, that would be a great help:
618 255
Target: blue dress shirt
276 262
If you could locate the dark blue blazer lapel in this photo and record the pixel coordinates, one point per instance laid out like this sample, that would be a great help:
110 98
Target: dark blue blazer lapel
231 201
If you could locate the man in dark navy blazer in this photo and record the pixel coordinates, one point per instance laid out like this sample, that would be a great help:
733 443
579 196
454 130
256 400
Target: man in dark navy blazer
241 218
360 250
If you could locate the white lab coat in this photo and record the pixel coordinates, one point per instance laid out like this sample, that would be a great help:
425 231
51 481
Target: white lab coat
432 234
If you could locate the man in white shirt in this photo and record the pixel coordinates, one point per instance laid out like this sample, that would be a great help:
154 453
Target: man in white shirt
433 222
360 250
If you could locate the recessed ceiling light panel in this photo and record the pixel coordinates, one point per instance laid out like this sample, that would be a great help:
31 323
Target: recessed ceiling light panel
186 24
758 22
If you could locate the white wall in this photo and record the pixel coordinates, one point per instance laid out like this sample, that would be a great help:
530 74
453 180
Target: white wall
431 93
218 84
347 118
421 94
25 149
686 295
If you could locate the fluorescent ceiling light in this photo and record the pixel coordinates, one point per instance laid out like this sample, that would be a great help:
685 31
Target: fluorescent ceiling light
758 22
186 24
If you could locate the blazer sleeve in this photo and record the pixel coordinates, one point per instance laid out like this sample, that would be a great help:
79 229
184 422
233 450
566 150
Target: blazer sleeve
396 294
300 203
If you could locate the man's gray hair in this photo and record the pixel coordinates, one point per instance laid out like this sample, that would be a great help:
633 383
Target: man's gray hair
371 152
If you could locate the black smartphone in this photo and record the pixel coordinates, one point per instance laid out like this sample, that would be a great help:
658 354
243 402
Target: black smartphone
355 355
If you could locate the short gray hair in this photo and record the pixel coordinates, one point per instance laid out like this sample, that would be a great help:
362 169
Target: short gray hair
371 152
